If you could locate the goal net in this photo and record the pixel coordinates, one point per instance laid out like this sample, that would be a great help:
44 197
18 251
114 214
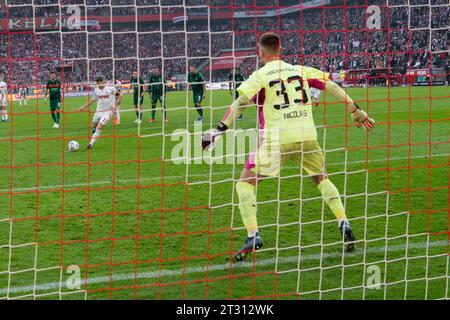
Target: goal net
146 214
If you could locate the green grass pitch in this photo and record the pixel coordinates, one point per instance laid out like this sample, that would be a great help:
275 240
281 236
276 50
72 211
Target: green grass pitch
140 226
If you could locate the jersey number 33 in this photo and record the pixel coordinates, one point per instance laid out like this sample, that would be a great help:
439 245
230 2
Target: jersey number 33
294 82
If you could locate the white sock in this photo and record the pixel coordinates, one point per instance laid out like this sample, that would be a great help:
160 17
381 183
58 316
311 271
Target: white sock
95 136
5 114
251 235
341 220
118 115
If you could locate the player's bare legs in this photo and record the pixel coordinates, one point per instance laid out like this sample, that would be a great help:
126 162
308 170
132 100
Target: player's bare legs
4 114
97 131
117 112
117 115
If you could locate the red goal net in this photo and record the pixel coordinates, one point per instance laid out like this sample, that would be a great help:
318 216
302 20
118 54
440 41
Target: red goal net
146 214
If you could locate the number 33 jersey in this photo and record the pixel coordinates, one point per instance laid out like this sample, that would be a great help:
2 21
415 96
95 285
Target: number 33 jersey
287 106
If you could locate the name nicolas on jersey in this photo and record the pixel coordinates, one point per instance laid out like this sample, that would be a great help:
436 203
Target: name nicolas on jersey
295 114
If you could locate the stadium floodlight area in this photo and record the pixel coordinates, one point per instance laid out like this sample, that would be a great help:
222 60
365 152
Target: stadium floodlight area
146 214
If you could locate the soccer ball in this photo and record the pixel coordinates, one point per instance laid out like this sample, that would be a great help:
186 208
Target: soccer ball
73 146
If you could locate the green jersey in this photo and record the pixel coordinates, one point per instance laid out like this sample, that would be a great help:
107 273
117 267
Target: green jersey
237 78
137 85
54 88
155 89
198 82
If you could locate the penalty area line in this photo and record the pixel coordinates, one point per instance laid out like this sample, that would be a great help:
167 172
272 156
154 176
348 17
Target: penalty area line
103 182
219 267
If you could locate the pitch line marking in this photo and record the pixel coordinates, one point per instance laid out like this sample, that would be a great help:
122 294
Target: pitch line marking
130 125
219 267
103 182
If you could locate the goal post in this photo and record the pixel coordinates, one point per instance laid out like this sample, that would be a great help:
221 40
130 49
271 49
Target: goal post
147 214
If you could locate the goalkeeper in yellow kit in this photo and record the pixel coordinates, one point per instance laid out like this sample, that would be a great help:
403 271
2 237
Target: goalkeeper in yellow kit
288 132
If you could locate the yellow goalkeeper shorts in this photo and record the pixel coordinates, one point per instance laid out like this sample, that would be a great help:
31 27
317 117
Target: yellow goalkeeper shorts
268 160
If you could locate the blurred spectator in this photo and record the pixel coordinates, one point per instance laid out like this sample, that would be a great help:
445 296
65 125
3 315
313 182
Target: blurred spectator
325 38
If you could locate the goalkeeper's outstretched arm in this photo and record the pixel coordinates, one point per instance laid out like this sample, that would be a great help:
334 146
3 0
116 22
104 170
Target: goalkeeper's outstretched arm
359 116
236 109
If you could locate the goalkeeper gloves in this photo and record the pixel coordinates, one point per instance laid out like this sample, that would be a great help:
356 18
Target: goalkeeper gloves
211 136
361 118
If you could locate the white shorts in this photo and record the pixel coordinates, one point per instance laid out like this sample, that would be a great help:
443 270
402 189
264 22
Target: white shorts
315 93
102 117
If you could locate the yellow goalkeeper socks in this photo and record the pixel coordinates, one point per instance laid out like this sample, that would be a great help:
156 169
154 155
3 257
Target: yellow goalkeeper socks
332 198
247 206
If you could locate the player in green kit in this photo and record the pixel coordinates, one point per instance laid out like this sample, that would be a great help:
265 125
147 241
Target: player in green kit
156 92
197 83
137 83
236 78
53 89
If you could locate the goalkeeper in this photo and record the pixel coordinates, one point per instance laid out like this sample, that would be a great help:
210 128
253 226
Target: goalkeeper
282 92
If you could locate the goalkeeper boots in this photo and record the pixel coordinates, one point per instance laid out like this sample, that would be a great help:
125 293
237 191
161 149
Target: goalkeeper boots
251 244
347 234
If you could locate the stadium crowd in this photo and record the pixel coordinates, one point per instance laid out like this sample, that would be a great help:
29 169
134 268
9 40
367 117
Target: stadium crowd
326 38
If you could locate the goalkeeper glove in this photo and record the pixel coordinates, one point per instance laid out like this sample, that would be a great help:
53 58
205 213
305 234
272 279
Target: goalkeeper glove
361 118
211 136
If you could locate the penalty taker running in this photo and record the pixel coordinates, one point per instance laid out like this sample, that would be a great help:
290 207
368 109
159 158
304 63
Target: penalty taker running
281 91
107 98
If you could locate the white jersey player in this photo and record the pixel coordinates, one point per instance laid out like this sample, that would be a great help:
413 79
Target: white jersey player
105 96
23 96
3 99
118 85
338 77
315 96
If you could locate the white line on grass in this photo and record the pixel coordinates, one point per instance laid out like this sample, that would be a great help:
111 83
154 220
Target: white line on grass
130 125
218 267
103 182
